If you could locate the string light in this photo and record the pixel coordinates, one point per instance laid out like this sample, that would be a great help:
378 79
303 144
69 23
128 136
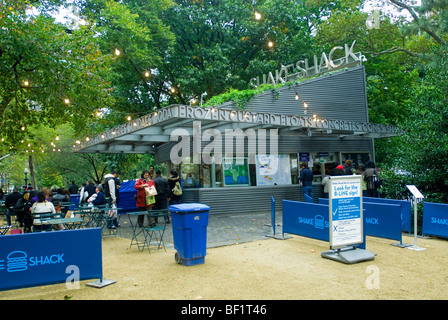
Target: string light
26 83
117 52
66 101
257 16
147 74
270 44
129 118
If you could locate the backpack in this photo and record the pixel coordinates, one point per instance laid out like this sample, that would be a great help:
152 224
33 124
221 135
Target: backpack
373 182
177 190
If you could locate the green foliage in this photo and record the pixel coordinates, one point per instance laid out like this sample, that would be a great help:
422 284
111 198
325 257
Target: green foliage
240 97
41 66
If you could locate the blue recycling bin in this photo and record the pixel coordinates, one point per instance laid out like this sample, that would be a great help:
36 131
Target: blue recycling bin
189 222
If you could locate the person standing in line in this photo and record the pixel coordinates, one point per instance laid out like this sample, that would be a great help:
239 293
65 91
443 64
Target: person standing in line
306 176
360 171
348 168
141 203
173 179
163 193
326 183
371 176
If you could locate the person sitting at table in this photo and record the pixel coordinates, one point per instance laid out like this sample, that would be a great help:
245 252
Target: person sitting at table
23 209
43 206
58 198
97 198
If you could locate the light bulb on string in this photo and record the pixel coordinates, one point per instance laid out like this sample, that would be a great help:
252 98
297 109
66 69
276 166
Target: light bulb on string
270 44
67 101
117 52
257 16
147 74
26 83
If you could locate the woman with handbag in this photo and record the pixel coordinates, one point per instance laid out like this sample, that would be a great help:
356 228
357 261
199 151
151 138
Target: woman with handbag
144 202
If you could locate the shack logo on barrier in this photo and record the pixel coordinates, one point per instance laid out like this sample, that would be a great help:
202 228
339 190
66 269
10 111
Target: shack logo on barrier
435 220
318 222
18 261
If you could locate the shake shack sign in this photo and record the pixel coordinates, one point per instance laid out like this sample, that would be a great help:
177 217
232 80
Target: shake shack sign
337 58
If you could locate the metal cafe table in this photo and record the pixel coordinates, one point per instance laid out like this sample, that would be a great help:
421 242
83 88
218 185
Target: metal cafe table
148 233
135 231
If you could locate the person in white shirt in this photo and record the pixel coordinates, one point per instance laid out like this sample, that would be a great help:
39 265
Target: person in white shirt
43 206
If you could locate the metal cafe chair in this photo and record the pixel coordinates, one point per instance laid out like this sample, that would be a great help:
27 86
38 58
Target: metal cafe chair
154 233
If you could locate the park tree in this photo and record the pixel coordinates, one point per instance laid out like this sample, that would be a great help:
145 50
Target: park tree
133 32
220 45
48 75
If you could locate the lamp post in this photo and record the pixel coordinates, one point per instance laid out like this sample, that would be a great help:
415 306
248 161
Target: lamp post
26 177
204 94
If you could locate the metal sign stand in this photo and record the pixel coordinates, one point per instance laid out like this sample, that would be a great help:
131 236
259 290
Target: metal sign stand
417 195
348 255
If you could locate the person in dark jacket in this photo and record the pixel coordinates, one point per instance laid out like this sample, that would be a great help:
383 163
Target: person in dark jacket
10 203
73 189
23 211
163 192
90 188
306 176
174 177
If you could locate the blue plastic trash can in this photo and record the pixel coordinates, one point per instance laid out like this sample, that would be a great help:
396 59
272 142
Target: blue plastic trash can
189 222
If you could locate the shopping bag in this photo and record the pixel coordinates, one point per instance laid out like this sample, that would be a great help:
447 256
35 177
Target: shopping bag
150 191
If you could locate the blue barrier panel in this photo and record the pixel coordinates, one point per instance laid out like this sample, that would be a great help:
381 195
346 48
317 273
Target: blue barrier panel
308 199
309 220
380 219
42 258
435 219
405 210
306 219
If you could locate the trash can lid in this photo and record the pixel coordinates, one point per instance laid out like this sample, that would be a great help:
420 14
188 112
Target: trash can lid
189 207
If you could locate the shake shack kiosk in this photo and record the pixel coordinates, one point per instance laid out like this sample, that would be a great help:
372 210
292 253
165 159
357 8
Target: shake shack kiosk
234 159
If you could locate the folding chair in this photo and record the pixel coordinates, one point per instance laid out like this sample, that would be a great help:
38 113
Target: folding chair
83 212
157 231
43 216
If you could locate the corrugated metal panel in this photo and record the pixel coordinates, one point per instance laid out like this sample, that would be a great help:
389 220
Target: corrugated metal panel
341 95
247 199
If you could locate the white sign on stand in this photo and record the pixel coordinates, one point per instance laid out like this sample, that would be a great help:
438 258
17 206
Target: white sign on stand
417 195
345 211
346 220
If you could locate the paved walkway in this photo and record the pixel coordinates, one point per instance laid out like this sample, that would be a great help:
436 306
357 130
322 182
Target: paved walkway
222 230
